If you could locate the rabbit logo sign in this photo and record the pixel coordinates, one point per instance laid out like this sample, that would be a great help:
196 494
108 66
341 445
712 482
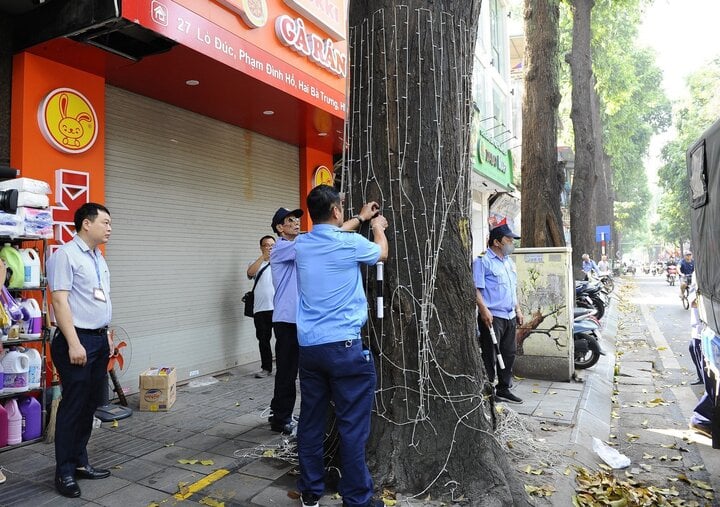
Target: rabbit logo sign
68 121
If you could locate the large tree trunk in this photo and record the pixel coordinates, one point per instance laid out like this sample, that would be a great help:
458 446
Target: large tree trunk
409 119
582 230
542 176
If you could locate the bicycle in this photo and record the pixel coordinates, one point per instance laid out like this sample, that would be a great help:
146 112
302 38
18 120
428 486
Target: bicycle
685 292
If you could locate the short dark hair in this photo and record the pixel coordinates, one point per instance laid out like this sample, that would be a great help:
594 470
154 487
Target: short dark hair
90 211
320 201
266 237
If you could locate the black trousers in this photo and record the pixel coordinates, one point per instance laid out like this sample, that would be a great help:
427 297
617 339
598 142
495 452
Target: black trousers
505 334
83 390
263 332
286 361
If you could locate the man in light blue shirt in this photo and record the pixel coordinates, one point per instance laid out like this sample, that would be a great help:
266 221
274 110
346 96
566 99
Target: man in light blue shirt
334 365
495 279
80 282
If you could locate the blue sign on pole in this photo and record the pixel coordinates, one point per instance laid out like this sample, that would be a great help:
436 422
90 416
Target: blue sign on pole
599 231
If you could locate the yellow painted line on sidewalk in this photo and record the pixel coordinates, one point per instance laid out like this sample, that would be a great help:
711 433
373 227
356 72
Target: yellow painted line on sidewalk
202 483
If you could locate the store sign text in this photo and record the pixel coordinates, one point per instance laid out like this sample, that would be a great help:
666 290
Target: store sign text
327 14
488 157
322 52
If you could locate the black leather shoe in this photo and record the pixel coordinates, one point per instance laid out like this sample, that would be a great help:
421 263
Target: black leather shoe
67 486
88 472
696 382
285 429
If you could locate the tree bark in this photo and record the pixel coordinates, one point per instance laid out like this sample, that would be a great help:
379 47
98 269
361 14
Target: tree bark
542 176
582 230
409 130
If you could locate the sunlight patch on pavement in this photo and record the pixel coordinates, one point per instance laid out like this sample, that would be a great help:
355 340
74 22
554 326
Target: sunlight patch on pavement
688 436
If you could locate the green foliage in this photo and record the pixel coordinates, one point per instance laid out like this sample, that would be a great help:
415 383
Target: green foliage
634 107
692 116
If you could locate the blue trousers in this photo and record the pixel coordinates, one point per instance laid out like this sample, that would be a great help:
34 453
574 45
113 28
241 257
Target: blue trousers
286 362
341 373
83 391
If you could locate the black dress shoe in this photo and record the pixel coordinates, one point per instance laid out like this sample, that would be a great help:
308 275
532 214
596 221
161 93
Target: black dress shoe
88 472
67 486
696 382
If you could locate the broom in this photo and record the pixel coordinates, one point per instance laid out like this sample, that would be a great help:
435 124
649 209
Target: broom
55 384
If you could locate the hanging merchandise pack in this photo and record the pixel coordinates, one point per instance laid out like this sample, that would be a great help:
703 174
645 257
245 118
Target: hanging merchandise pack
33 218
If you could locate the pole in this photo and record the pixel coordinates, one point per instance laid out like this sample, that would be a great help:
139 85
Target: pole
602 243
379 289
500 361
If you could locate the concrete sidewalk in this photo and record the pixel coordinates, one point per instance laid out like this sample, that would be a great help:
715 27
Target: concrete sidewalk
215 447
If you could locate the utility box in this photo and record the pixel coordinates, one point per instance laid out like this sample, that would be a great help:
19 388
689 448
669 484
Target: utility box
158 389
546 294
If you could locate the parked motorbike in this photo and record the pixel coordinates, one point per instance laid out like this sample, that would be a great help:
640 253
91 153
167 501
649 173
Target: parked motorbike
591 294
586 339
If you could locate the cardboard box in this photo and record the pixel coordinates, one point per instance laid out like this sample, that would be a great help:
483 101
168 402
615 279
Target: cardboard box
157 389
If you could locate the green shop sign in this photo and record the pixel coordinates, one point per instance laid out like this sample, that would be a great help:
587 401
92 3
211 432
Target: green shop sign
491 162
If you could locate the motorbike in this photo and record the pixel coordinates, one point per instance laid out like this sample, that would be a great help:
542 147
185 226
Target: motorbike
586 339
593 295
671 275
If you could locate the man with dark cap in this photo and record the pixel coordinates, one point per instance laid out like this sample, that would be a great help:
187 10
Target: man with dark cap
495 278
286 224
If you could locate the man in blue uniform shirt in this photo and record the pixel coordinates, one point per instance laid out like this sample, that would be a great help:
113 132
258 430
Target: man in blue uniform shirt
495 279
334 366
80 282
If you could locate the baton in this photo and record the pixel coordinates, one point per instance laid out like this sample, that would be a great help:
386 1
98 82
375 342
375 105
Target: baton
379 289
500 361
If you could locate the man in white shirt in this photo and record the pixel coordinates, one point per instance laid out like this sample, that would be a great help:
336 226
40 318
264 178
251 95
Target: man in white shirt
259 271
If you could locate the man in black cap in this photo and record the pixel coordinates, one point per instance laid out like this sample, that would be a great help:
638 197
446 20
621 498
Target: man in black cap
495 278
286 224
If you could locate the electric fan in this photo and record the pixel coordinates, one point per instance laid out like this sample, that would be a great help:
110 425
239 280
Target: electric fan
121 357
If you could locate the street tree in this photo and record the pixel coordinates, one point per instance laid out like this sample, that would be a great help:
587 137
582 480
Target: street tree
542 178
409 130
584 116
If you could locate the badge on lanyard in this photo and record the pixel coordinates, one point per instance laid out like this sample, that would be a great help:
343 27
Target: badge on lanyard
99 294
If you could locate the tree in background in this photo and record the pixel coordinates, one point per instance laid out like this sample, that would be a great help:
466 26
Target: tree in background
409 131
692 116
542 178
632 107
585 123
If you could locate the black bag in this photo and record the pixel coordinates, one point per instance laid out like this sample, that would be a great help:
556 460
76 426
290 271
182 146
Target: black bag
249 297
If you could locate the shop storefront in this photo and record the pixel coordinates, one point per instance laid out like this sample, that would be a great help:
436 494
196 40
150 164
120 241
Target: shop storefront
193 121
493 192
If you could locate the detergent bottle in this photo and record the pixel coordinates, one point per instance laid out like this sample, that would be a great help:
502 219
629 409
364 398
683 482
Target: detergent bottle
15 365
3 427
14 262
31 267
30 411
31 323
14 422
34 368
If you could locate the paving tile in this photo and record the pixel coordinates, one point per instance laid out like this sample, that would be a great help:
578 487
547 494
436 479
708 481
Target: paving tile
139 495
237 487
135 469
201 442
266 468
227 430
168 479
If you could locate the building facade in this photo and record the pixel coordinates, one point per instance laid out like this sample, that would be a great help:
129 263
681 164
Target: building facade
193 121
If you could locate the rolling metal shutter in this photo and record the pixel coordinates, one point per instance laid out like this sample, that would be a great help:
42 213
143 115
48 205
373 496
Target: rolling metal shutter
190 198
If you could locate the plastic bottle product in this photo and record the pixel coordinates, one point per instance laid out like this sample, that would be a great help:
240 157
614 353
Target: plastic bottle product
14 422
14 262
30 411
15 365
31 325
2 376
31 267
34 368
3 427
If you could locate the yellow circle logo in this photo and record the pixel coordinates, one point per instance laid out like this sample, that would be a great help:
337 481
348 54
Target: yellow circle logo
323 176
68 121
